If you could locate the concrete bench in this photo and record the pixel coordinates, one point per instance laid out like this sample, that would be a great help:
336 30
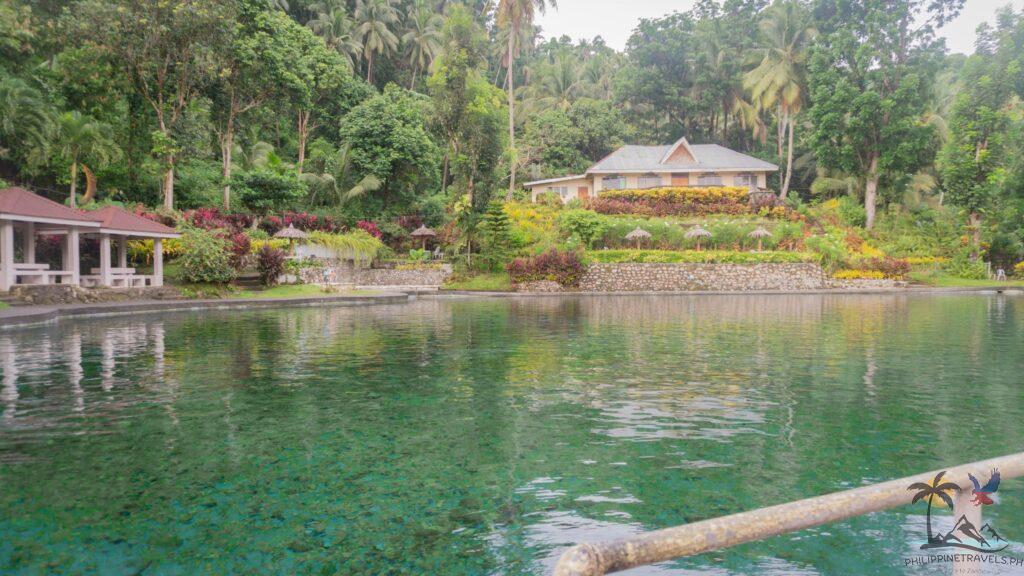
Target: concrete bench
118 281
44 276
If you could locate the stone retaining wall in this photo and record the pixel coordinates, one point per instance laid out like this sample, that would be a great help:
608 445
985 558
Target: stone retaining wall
350 276
701 277
50 294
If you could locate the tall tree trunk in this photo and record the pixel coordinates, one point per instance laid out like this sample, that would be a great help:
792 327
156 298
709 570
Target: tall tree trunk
169 182
303 135
511 117
789 160
415 71
90 185
227 142
780 132
974 224
74 184
369 67
871 193
444 171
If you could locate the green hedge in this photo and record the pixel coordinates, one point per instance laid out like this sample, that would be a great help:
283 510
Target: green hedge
694 257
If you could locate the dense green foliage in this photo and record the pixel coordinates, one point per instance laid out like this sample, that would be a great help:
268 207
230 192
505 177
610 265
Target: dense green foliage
402 112
205 257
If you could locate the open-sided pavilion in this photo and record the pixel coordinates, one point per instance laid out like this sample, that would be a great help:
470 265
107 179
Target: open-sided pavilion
31 216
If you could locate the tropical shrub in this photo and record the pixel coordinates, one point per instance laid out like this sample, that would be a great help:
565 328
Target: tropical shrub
355 245
851 212
584 225
550 199
672 201
270 264
925 260
562 266
419 255
859 275
241 247
205 257
895 268
962 266
301 220
370 228
702 257
1018 270
603 205
681 194
830 247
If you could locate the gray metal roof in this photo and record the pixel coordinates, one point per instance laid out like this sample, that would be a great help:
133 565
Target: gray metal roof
710 157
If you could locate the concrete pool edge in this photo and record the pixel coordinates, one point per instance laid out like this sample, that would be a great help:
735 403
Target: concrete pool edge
28 316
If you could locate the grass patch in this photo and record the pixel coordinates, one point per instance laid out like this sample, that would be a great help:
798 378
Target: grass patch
297 291
943 280
495 282
695 257
4 305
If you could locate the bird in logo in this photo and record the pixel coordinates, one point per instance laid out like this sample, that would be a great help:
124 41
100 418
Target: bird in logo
981 493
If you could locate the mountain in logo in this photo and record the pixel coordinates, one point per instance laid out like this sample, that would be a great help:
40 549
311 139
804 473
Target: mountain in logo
964 529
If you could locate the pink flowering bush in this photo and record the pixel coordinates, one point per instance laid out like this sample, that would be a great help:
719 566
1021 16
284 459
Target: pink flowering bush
370 228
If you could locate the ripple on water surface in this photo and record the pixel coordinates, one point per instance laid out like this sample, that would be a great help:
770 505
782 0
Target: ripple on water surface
485 436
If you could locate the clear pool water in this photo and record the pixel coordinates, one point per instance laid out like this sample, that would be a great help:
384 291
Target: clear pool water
482 436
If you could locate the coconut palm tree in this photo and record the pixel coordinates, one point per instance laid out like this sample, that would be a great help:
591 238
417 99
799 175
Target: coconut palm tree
25 120
779 81
374 20
515 16
937 489
559 81
422 38
82 139
333 24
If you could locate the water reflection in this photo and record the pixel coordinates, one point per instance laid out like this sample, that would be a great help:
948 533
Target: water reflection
483 436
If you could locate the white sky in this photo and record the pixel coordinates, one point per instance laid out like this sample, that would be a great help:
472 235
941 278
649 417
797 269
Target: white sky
614 20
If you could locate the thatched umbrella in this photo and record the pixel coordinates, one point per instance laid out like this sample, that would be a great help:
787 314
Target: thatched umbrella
760 233
698 233
292 234
423 233
638 235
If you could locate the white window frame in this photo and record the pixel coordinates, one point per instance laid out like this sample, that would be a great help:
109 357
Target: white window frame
650 180
620 182
709 179
744 179
562 191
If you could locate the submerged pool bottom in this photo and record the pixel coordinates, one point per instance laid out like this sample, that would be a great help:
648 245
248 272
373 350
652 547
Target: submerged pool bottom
483 436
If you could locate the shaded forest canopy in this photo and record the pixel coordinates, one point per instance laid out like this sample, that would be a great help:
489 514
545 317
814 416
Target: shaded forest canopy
378 109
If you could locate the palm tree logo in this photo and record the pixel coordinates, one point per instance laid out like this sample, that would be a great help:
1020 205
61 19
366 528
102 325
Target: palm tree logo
937 489
984 538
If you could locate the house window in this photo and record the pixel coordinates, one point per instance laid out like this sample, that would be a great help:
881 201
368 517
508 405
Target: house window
562 191
709 180
650 181
613 182
744 179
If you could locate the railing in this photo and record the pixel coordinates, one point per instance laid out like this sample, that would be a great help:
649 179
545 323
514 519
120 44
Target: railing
728 531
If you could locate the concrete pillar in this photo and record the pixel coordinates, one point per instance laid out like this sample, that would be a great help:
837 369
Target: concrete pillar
105 260
73 262
158 262
29 243
122 251
7 276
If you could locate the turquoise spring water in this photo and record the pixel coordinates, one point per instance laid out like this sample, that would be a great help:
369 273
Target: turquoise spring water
481 436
